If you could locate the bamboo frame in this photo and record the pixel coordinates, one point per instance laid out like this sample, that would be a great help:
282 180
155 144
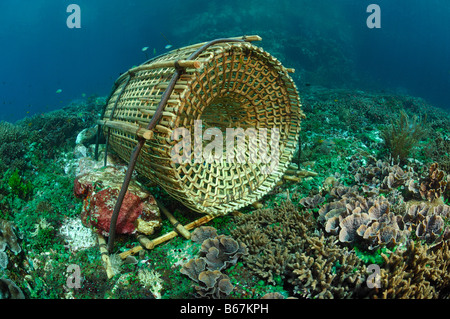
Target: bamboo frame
175 223
149 244
105 257
128 127
162 64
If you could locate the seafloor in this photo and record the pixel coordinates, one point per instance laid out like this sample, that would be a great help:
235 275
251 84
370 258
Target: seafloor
368 219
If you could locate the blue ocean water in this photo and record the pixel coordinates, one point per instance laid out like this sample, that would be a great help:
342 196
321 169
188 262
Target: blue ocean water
44 64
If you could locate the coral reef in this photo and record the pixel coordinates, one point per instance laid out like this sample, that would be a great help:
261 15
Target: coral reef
18 186
284 246
86 136
310 239
50 132
431 228
371 220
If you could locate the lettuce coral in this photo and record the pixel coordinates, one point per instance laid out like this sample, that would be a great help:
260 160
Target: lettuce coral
217 252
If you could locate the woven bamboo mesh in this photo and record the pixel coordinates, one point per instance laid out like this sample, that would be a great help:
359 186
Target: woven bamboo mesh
232 85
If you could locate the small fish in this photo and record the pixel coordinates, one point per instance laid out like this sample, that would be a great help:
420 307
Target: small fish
58 91
83 94
169 45
144 49
154 51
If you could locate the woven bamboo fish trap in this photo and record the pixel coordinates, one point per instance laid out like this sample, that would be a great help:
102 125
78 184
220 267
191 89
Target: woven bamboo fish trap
230 84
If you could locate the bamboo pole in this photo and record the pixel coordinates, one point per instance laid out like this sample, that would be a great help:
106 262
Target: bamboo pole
192 64
128 127
152 112
175 223
105 256
150 244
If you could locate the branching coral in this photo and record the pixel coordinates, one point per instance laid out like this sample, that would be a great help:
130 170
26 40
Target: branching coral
152 280
272 237
284 245
418 272
327 271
